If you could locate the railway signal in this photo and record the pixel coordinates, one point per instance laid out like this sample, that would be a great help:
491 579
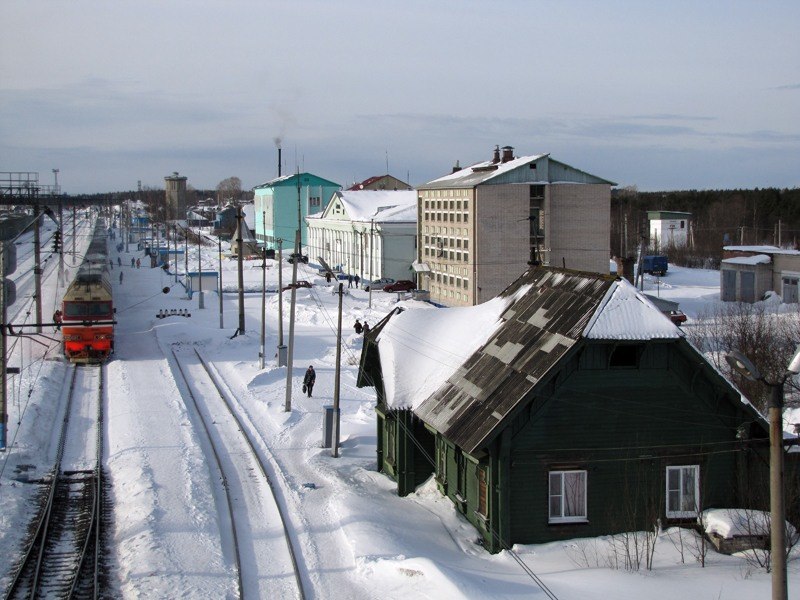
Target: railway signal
57 241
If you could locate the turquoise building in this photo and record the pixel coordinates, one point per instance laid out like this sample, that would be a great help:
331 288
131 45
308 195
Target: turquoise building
276 206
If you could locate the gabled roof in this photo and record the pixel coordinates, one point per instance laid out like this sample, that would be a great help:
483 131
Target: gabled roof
364 185
381 206
291 181
518 170
510 344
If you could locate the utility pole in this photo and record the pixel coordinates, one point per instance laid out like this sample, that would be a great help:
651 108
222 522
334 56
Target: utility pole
288 404
74 255
199 271
240 267
281 346
371 247
37 268
219 248
262 349
3 349
336 418
777 507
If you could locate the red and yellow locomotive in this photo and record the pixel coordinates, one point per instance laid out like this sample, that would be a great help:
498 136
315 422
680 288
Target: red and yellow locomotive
88 307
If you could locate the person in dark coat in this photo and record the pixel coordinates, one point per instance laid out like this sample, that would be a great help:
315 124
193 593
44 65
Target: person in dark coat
309 379
356 279
358 326
349 281
57 318
366 328
328 276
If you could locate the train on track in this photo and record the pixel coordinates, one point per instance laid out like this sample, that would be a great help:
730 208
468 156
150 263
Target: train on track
88 305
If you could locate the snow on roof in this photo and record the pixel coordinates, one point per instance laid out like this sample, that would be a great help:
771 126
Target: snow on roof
476 174
758 259
380 205
625 314
421 348
761 249
428 346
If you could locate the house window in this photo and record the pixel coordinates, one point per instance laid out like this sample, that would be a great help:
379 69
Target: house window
483 492
682 491
567 496
314 202
625 355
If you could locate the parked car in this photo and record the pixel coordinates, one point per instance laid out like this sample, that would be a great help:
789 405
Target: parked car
294 255
677 317
655 265
302 283
377 283
401 285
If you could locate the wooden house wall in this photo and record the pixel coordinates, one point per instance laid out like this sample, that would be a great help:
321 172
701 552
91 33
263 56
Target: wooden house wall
624 426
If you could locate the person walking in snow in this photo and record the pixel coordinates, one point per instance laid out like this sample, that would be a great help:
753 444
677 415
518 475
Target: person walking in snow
358 326
349 281
138 263
366 328
119 261
133 262
309 379
57 318
111 264
121 273
356 279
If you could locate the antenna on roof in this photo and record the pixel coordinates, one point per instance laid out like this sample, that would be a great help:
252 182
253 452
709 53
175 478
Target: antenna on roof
387 161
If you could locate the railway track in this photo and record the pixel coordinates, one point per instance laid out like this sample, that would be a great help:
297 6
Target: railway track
62 559
259 544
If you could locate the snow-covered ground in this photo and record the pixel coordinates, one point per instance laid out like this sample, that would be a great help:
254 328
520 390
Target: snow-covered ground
358 539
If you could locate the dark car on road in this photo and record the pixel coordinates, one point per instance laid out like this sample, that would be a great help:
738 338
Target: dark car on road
303 258
302 283
401 285
378 284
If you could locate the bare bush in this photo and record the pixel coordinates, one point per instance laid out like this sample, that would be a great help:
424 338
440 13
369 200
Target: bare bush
763 334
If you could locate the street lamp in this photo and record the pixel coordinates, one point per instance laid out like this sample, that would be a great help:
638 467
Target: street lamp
742 365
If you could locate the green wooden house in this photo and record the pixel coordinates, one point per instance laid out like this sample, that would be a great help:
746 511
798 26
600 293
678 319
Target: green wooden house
282 204
566 407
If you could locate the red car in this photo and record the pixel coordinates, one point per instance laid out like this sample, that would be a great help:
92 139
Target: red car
677 317
302 283
401 285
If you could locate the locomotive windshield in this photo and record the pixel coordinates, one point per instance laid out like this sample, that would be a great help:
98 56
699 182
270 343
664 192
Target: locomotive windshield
87 309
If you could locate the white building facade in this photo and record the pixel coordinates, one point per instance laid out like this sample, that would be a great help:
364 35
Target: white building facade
668 229
371 234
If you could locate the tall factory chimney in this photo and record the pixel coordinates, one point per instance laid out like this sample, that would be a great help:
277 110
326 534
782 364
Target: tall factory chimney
279 161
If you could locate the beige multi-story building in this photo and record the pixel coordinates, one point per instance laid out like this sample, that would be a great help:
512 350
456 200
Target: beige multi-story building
175 196
480 227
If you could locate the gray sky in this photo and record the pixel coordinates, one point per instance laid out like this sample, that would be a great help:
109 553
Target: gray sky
661 95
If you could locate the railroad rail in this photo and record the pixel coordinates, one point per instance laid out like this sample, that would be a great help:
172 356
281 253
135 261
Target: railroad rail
63 555
262 560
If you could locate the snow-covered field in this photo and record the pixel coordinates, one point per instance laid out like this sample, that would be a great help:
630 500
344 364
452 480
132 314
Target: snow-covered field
357 537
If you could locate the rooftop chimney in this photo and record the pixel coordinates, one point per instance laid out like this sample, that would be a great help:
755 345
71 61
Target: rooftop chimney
496 158
508 153
279 161
457 167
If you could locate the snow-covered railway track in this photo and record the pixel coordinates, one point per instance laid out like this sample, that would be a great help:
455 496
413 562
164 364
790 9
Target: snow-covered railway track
62 558
259 543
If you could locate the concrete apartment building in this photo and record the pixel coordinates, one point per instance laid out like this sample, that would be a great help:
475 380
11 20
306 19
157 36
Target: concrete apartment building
480 227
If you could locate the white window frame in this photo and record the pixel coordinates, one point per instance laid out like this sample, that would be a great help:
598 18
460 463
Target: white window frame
681 489
560 493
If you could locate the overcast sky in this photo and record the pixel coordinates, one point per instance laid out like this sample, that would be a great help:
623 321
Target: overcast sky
661 95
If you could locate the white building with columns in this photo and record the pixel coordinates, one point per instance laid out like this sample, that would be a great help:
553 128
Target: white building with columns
371 234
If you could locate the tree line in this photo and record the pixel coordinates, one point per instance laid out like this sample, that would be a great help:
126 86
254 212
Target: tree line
718 218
